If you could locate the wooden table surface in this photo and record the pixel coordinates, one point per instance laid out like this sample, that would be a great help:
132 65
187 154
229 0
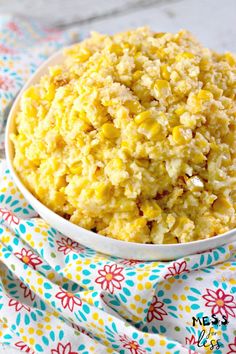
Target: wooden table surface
212 21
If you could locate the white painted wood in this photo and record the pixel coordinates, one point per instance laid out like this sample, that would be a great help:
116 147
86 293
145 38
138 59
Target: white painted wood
213 22
61 12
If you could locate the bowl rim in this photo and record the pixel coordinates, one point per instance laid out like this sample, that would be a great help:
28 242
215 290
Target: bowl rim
9 150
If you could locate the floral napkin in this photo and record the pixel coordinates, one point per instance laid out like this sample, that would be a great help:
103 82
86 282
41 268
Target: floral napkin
24 45
58 297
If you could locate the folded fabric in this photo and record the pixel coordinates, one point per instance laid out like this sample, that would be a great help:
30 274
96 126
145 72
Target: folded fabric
59 297
24 44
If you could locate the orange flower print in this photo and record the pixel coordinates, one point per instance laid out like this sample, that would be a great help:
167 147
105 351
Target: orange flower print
232 347
220 302
24 347
191 341
68 299
63 349
110 277
131 345
156 310
27 292
18 305
28 257
177 269
8 216
66 245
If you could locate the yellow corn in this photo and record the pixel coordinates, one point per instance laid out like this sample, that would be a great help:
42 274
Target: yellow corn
50 92
125 205
32 93
184 55
75 169
115 48
195 183
164 72
205 64
140 222
205 95
231 59
161 89
143 163
180 110
116 164
216 91
84 54
150 208
54 71
137 74
133 106
101 191
150 128
110 131
89 192
141 117
181 222
229 138
160 53
198 157
169 238
159 34
181 135
222 205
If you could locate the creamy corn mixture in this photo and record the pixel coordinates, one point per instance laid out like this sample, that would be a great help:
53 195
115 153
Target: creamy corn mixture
134 137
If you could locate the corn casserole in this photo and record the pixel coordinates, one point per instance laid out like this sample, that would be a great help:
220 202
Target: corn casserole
133 137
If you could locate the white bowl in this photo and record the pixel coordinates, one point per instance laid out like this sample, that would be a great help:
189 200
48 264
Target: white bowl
129 250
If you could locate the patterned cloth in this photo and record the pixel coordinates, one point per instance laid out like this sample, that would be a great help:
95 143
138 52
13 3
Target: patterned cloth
58 297
24 44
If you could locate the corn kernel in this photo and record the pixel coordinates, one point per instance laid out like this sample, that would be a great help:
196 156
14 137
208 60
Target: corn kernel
160 53
217 92
133 106
164 72
84 54
231 59
184 55
183 228
137 74
229 138
143 163
169 238
222 205
151 210
180 110
150 128
181 135
115 48
32 93
159 34
101 191
161 89
205 64
76 169
110 131
116 163
141 117
205 95
195 183
198 157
